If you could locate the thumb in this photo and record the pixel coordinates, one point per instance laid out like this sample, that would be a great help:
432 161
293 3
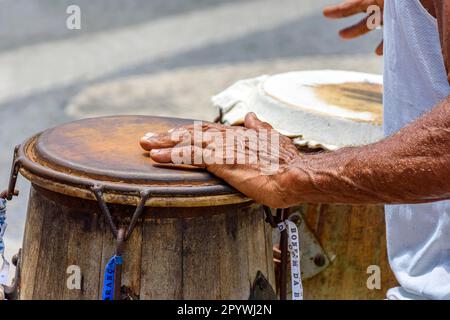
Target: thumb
252 122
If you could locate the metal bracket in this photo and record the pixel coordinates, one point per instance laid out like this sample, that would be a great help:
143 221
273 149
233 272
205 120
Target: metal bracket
9 193
281 214
12 292
121 234
98 193
261 289
118 267
314 258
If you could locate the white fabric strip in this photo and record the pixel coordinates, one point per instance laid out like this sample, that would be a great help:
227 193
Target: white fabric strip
294 250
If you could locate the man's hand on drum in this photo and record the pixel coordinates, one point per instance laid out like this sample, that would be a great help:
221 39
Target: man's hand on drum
351 7
255 159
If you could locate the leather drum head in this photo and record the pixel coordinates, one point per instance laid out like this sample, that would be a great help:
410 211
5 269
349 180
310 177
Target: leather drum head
106 151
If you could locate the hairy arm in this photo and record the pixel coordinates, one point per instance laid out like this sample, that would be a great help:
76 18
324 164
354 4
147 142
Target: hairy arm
412 166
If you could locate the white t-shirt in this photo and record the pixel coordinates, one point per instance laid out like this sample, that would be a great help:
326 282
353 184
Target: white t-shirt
415 80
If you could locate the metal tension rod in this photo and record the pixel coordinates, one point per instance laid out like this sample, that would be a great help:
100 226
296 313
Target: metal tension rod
273 221
121 234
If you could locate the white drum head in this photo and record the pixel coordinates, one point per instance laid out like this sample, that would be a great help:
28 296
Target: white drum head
324 108
348 95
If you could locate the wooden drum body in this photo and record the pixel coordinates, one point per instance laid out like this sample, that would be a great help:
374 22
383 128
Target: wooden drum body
353 239
195 237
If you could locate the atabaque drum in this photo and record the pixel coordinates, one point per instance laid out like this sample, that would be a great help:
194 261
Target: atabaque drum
343 246
179 233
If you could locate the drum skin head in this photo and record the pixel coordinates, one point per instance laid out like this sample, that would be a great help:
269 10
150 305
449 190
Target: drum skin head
105 152
108 147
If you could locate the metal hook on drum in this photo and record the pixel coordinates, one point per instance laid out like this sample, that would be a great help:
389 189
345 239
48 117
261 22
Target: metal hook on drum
11 292
113 272
273 221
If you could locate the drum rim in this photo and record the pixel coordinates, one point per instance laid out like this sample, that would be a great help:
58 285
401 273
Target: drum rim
122 193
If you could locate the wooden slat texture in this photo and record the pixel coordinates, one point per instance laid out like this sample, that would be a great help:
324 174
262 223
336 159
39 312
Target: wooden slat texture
255 229
354 238
50 279
84 250
214 254
132 259
161 263
201 251
232 258
269 255
107 251
31 246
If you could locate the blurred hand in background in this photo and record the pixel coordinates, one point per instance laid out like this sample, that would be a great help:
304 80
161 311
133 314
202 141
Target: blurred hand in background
352 7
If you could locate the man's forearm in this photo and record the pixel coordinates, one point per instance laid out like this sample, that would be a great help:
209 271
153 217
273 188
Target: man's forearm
412 166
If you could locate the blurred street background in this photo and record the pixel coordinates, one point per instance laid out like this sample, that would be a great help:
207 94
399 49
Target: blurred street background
155 57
